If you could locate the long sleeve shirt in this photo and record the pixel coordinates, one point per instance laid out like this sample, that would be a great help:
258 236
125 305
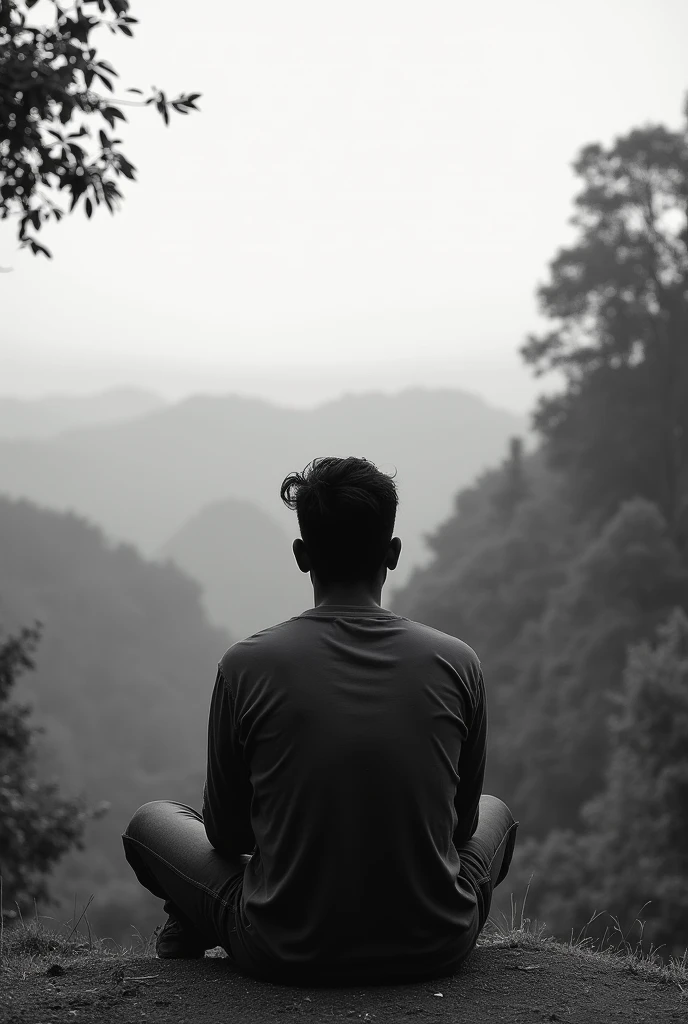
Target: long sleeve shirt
346 755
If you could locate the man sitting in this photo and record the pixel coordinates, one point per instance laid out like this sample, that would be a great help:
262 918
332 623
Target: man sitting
344 836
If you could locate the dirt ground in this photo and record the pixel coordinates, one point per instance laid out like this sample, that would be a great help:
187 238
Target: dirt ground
495 984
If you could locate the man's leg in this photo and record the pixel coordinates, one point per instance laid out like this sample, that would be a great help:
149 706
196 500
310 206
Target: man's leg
486 857
166 845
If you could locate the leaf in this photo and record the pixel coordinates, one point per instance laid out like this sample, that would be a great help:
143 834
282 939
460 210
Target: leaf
111 114
106 81
161 105
78 189
125 29
139 91
89 207
37 247
126 168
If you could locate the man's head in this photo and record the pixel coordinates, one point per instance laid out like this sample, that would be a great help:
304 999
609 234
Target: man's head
346 510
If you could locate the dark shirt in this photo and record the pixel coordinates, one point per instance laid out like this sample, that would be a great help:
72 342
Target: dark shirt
346 754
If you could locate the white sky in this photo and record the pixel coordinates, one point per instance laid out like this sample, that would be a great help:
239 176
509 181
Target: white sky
369 197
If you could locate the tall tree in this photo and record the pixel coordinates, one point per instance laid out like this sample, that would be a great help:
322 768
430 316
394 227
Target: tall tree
619 300
53 121
514 485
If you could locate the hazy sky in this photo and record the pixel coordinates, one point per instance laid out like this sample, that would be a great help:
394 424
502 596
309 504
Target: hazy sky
368 199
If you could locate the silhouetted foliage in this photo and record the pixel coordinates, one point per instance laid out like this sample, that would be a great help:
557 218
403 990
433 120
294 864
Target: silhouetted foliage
53 122
37 825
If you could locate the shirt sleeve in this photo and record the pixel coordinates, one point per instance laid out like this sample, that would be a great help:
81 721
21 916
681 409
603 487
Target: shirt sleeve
471 770
227 793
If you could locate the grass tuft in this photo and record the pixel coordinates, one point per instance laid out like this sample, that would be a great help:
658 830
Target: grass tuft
614 947
26 945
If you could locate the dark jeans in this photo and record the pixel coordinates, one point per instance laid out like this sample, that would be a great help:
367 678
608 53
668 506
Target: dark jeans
166 845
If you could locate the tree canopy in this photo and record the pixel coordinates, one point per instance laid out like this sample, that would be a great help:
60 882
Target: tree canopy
57 130
618 301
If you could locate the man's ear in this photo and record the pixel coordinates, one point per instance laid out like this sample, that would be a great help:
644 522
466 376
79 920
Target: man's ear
301 555
393 553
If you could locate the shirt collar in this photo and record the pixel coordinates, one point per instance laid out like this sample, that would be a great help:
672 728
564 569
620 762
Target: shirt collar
347 611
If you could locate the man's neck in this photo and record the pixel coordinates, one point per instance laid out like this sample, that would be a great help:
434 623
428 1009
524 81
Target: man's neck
360 595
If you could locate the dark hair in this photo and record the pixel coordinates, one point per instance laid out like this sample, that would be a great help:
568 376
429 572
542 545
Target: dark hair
346 510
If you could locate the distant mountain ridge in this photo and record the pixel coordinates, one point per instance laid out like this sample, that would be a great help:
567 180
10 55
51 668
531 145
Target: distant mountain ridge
244 562
53 414
144 478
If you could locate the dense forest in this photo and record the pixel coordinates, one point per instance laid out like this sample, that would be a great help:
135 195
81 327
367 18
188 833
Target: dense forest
567 569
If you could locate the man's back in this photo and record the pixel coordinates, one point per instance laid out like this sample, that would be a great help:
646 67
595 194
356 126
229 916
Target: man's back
347 745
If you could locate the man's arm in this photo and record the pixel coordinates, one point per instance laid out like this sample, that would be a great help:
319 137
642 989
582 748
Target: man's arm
472 769
228 791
